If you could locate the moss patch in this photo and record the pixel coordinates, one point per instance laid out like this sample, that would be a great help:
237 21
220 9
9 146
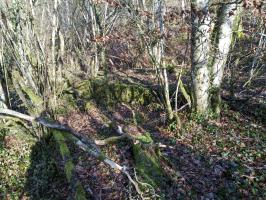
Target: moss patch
69 167
80 195
62 145
147 162
111 93
145 138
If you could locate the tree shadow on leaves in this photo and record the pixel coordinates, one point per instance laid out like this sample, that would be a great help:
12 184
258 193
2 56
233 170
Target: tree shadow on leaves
45 179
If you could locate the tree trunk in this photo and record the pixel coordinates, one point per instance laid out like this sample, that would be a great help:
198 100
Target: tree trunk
160 9
3 103
200 54
223 36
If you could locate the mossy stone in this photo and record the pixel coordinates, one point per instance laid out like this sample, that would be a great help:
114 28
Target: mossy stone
111 93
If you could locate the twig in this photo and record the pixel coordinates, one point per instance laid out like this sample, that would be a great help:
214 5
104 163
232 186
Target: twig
110 140
145 184
182 107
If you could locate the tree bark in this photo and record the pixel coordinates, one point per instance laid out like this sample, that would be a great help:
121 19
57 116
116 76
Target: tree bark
160 9
200 54
3 103
222 42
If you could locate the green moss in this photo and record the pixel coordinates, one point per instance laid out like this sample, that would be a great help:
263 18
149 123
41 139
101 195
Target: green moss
237 26
68 100
145 138
85 88
58 136
111 93
101 157
126 95
88 105
148 166
64 150
60 139
65 153
36 100
147 161
32 59
69 168
80 193
216 100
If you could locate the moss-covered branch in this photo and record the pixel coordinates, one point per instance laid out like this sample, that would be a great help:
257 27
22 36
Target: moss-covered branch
184 92
69 168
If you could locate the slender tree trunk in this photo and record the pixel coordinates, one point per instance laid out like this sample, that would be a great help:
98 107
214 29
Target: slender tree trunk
3 87
200 54
255 62
53 49
223 36
183 8
3 103
169 110
163 73
94 30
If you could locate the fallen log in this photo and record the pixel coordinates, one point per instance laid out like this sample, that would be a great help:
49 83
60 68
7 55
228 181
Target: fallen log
82 143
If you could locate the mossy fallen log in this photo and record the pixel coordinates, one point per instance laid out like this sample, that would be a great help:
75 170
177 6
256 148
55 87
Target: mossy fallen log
146 155
77 190
147 161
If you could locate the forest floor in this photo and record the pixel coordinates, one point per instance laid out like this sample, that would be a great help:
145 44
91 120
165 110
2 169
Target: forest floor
214 159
